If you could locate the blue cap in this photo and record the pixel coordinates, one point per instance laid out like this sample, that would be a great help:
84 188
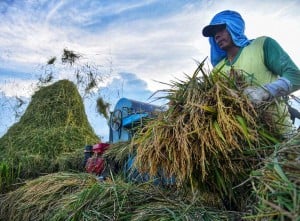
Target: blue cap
223 19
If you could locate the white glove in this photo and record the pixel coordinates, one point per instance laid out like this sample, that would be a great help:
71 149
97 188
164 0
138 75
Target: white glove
281 87
257 95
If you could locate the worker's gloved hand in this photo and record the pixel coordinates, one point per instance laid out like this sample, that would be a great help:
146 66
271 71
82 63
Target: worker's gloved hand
280 87
257 95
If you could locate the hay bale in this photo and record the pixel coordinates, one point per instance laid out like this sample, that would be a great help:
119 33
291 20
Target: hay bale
55 123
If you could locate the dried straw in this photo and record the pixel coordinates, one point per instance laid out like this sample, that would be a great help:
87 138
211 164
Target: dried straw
66 196
41 198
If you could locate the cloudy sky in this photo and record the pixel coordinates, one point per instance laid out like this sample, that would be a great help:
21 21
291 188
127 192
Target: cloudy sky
135 43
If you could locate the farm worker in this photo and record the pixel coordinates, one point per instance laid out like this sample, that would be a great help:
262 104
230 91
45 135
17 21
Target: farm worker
263 61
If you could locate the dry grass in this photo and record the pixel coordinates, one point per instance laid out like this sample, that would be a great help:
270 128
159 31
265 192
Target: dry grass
66 196
41 198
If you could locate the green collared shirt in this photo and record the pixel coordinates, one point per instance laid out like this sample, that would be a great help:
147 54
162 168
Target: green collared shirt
263 61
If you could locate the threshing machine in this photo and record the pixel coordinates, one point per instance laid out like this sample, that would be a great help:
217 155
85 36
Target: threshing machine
126 116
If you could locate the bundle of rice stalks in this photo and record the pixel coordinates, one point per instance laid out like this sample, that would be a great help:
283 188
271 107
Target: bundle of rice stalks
55 123
277 184
118 152
209 136
41 198
116 158
66 196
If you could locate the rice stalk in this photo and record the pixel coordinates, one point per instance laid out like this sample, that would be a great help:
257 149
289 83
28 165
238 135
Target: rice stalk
209 136
41 198
117 200
277 184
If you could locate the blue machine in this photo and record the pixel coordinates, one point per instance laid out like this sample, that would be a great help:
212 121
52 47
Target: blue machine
126 115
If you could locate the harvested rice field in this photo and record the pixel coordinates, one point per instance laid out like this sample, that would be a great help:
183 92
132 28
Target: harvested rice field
223 156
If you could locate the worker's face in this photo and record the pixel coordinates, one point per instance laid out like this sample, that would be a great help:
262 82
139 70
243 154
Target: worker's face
223 39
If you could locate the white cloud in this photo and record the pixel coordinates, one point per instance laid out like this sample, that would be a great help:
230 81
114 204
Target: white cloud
154 49
17 87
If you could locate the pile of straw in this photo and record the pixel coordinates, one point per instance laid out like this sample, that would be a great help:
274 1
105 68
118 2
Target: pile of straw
53 127
42 198
67 196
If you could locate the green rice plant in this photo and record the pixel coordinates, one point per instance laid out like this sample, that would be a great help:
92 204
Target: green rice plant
277 184
9 173
6 176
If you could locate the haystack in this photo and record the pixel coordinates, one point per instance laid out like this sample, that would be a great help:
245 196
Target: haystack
53 129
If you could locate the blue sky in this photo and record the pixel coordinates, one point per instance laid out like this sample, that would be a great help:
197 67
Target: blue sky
135 43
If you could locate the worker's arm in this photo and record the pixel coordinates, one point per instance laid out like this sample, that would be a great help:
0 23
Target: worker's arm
280 63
